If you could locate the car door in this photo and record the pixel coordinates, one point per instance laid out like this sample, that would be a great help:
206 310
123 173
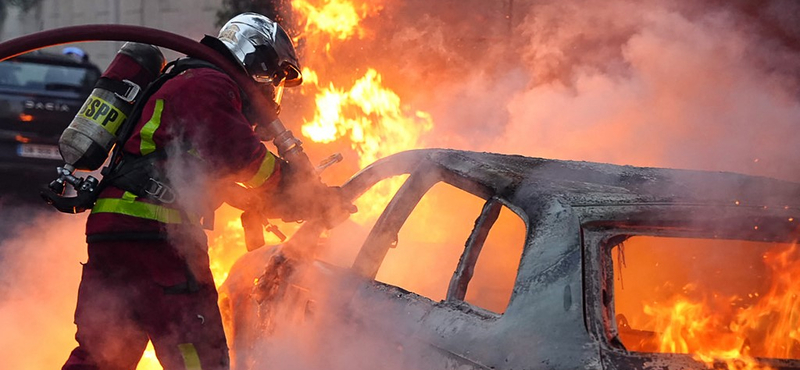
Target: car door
434 299
438 270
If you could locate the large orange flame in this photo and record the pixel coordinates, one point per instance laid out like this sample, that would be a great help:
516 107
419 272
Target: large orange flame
336 18
371 117
714 329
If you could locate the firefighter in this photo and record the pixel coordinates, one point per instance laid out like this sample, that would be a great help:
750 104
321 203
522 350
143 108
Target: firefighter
148 275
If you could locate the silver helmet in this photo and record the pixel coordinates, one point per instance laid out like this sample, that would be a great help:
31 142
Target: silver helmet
263 48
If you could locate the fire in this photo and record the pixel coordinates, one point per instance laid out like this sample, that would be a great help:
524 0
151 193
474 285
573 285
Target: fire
374 121
149 360
715 327
369 116
336 18
777 314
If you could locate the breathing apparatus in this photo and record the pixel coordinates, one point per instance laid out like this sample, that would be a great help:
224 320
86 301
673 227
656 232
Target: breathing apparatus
101 122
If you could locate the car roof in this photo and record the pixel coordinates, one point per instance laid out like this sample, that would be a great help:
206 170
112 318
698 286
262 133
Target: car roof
46 57
518 178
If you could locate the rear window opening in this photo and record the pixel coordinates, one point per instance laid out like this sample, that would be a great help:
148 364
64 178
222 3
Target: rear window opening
711 298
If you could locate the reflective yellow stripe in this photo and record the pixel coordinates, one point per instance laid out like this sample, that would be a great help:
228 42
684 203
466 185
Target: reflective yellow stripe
190 357
130 207
102 113
148 146
264 172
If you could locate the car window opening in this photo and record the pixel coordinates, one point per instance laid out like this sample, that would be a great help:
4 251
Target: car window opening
432 240
340 245
711 298
498 263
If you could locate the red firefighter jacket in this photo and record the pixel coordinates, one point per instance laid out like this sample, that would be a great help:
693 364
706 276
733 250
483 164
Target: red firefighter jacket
201 107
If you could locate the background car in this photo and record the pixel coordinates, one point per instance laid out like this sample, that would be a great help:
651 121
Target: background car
40 93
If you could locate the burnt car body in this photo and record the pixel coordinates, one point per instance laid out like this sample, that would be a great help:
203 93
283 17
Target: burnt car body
560 313
40 93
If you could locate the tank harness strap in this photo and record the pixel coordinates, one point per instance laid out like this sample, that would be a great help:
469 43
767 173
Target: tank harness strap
125 89
141 182
171 70
140 176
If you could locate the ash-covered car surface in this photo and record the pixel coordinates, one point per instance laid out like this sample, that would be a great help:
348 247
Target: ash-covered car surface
556 265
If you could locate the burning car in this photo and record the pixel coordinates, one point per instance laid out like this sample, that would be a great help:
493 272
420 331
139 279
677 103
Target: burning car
490 261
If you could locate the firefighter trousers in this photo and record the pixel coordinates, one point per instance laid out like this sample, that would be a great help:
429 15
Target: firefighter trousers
132 292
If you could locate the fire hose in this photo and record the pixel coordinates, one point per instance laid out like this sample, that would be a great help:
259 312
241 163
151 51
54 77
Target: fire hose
268 125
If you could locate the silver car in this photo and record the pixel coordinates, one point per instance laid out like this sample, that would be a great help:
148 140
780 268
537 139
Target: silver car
490 261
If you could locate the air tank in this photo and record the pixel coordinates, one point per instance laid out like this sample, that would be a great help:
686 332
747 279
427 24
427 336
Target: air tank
85 144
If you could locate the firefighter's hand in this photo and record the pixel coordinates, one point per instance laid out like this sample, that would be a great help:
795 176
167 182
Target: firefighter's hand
315 203
302 196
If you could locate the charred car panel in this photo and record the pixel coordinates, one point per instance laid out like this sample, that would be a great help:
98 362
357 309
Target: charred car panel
560 313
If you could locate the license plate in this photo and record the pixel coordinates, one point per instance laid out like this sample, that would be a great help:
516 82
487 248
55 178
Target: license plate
38 151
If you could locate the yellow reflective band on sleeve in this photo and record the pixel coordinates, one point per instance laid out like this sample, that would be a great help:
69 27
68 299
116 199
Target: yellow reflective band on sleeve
264 172
191 360
148 145
144 210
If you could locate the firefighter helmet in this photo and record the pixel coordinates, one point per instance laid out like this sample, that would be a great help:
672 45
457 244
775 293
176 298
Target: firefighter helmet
263 48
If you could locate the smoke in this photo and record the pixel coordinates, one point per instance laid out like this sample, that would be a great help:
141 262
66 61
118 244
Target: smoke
703 85
657 84
319 321
710 85
39 274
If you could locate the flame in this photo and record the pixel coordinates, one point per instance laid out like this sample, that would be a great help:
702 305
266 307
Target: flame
777 313
372 118
718 328
149 360
369 115
339 19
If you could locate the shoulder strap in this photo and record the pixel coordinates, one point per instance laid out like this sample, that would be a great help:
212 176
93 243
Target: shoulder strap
171 70
184 64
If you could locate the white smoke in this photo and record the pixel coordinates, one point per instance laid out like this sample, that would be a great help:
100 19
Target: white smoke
678 84
656 84
683 84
